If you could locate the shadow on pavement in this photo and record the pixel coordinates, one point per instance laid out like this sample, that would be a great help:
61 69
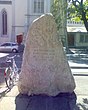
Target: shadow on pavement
81 59
84 105
80 74
63 101
4 92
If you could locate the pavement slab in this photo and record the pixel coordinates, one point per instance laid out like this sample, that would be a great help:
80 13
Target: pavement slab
81 85
78 65
7 103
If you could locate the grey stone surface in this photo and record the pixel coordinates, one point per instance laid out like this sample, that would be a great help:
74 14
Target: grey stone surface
45 69
63 101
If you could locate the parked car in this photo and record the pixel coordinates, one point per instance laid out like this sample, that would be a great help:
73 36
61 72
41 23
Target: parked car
9 47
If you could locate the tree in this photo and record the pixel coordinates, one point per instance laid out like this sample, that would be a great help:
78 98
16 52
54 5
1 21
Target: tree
78 11
55 12
58 10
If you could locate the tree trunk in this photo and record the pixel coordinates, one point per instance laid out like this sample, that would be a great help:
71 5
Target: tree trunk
63 23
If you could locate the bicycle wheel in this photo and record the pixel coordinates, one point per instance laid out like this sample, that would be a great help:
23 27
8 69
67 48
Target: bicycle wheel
9 82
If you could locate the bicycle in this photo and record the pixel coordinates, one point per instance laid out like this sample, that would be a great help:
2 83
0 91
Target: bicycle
11 73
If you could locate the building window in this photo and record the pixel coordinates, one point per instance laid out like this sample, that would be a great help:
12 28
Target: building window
4 22
38 6
84 38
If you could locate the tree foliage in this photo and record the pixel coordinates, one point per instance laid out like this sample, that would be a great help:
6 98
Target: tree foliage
78 11
56 14
58 9
59 12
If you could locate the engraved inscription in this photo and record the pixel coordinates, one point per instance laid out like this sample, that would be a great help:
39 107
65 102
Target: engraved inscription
44 54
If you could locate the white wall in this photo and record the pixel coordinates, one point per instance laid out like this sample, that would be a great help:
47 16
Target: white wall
20 12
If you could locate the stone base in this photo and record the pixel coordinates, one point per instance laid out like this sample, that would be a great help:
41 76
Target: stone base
63 101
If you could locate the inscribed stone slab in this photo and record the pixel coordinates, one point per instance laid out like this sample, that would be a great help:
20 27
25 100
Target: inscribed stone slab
45 69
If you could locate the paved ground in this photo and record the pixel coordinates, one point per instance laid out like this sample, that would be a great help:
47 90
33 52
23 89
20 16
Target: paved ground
15 101
12 100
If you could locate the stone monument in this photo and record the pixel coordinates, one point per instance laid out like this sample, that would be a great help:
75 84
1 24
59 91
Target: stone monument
45 69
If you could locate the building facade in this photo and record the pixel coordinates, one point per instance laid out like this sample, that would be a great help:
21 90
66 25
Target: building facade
77 34
16 16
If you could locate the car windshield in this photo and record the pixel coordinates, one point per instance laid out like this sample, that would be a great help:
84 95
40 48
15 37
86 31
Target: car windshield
9 44
6 44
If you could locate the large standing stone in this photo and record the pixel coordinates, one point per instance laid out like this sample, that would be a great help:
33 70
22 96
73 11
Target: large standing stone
45 69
